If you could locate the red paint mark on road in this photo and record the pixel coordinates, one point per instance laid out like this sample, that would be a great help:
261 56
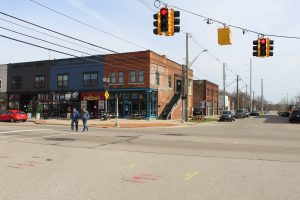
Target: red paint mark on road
15 167
142 178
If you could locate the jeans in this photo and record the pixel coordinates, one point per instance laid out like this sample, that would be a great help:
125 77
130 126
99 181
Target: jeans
85 126
76 124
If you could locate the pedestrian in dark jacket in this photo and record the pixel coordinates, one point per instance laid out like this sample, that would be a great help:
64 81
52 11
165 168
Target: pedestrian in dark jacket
74 119
85 116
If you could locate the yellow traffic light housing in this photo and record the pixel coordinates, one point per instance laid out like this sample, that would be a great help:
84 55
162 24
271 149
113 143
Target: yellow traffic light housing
157 24
224 36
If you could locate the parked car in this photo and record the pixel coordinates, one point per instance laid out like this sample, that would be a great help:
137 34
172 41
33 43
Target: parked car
240 113
254 113
13 115
295 116
247 114
285 114
227 116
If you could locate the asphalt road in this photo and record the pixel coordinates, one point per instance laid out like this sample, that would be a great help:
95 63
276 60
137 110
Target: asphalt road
255 158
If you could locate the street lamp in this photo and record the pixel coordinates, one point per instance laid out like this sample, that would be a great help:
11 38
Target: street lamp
105 82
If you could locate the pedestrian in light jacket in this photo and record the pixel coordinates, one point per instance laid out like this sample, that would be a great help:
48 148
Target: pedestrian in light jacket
85 116
74 119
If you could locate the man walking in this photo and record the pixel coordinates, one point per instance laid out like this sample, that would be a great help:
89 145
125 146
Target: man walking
74 119
85 116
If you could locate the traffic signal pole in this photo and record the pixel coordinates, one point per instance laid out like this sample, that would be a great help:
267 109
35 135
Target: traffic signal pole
224 92
187 77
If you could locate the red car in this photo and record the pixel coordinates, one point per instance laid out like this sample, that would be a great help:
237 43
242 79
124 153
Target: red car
13 115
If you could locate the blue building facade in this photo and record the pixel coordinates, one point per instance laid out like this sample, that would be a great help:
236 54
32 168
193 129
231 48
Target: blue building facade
77 83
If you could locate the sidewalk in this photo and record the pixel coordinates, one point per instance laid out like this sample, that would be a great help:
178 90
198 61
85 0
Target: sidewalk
123 123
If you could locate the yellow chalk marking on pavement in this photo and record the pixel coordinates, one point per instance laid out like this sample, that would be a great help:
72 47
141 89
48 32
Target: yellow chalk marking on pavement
130 166
190 175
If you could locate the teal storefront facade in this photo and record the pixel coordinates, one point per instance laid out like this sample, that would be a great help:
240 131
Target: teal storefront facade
134 102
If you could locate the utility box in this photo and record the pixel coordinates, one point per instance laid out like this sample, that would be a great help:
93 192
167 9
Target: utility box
224 36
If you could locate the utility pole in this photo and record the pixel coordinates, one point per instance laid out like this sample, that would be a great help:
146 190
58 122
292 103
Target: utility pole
224 92
287 99
187 77
254 107
246 94
251 84
237 93
262 95
182 94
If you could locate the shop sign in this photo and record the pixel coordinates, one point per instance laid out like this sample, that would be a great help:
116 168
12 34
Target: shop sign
91 98
83 104
68 96
75 96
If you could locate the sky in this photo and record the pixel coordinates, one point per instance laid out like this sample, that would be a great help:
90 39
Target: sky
132 20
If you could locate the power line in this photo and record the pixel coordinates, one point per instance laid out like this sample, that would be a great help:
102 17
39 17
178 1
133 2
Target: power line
86 24
62 34
209 20
84 58
50 35
71 37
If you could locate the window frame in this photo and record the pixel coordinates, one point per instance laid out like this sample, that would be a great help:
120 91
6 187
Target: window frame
139 76
62 75
110 78
12 84
132 76
90 80
169 81
157 78
120 72
40 86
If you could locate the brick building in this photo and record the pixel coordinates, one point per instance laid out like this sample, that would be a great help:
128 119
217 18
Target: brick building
146 84
206 91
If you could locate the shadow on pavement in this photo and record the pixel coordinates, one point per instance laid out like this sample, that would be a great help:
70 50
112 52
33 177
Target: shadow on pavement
59 139
274 119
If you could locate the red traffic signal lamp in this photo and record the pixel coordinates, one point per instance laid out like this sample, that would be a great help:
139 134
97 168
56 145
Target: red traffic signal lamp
263 47
164 18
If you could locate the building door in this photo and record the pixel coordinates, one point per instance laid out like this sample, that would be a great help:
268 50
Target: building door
178 86
127 109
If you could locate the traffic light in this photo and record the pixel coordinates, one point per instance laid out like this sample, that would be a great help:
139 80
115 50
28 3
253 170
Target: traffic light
173 21
270 47
262 47
156 24
255 48
164 20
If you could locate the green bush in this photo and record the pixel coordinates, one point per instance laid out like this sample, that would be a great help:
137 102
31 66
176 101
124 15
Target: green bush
39 108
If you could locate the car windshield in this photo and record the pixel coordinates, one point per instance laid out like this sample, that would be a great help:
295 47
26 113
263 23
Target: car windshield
20 112
239 111
226 112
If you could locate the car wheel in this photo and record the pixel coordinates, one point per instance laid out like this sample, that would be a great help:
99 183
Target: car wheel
24 120
12 120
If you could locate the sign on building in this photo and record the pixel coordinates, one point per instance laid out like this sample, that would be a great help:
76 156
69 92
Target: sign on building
83 104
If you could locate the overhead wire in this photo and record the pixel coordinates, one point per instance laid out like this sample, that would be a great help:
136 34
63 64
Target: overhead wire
229 25
88 25
71 37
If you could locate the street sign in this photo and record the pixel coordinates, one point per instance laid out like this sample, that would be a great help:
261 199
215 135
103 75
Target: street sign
106 94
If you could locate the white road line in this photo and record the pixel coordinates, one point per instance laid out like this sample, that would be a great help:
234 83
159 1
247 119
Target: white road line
20 131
